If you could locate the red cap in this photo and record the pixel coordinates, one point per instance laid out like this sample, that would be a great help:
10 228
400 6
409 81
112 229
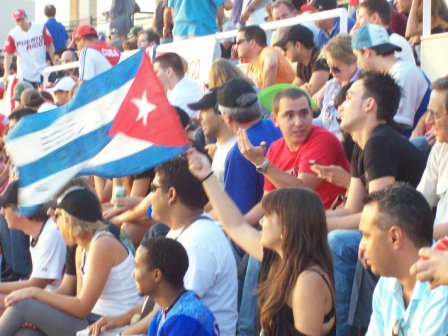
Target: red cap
82 30
18 14
307 8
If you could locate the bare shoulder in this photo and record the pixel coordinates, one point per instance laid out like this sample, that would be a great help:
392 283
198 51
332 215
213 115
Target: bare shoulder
314 282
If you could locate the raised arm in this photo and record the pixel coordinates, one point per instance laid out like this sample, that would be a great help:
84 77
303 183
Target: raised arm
230 217
413 26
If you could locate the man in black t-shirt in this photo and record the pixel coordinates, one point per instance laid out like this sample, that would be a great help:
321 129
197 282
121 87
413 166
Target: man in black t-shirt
312 71
382 156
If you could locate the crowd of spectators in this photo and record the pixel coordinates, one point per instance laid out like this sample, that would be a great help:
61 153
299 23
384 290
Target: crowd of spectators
313 200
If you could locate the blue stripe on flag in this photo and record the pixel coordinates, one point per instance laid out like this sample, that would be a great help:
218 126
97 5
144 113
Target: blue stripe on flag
135 164
79 150
88 92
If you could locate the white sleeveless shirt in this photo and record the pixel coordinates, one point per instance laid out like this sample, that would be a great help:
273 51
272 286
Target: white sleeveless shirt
120 292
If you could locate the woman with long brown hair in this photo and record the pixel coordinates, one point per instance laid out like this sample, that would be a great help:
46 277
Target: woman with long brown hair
296 290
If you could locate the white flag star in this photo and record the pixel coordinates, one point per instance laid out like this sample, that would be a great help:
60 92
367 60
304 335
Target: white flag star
144 107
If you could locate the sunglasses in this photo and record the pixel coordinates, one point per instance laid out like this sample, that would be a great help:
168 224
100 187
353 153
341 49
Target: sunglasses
240 41
335 69
153 187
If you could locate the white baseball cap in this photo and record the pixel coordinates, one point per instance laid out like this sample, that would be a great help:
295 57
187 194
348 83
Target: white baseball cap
64 84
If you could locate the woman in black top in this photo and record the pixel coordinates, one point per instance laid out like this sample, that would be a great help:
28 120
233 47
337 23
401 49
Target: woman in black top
296 294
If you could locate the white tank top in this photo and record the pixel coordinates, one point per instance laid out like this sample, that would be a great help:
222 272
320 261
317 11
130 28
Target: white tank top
120 292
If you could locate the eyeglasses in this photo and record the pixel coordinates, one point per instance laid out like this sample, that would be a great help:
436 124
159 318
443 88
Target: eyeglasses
240 41
436 114
397 330
153 187
335 69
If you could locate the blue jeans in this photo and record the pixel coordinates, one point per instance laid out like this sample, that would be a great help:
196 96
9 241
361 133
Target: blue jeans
344 248
247 319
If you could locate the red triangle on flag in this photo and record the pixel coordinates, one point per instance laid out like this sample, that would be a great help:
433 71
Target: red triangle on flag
145 112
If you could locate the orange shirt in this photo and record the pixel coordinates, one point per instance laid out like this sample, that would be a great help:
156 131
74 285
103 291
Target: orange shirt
285 72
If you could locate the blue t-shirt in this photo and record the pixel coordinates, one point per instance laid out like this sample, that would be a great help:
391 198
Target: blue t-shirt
195 17
323 37
59 34
241 181
188 316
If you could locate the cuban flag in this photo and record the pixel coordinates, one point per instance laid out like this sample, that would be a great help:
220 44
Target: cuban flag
119 123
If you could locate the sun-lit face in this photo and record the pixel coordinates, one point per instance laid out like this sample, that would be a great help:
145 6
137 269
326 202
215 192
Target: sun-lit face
375 241
24 24
291 51
143 276
9 212
60 97
438 115
210 121
67 57
281 12
351 110
159 200
362 60
295 119
142 41
162 74
243 45
363 17
403 6
341 70
271 232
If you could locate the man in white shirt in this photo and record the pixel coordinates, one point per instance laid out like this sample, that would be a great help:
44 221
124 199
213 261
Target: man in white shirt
178 200
434 182
30 42
374 51
379 12
214 126
181 90
47 247
395 223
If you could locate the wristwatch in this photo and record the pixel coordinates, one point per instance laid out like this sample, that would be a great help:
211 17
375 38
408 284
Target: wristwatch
262 167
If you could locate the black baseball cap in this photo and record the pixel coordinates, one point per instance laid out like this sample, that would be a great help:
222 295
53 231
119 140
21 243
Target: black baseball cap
81 203
297 33
209 100
323 5
230 93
